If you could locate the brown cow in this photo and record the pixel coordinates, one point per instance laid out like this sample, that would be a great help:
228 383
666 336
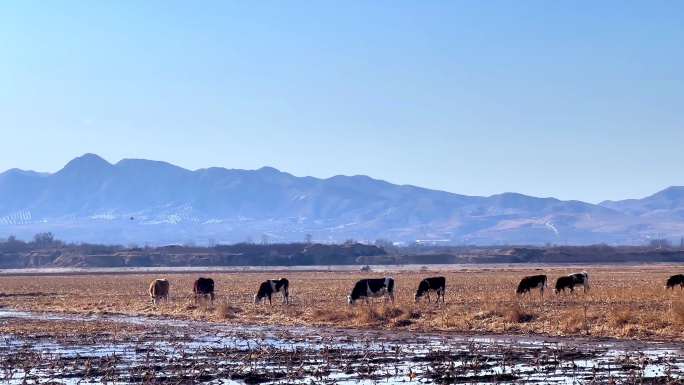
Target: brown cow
159 289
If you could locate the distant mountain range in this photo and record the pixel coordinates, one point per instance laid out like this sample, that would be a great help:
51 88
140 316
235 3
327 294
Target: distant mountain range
142 201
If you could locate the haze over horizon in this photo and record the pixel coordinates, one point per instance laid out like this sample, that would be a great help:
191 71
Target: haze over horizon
576 100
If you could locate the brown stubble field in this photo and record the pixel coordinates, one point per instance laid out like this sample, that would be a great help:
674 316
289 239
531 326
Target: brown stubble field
624 301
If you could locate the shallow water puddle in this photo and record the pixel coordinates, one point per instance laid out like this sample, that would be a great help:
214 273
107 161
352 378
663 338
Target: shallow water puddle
197 352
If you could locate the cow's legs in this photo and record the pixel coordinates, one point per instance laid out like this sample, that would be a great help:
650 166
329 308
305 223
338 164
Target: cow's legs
269 300
286 297
428 296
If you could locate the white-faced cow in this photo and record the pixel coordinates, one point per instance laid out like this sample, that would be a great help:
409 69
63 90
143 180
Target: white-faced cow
370 288
203 287
159 289
532 282
572 280
267 288
435 284
677 279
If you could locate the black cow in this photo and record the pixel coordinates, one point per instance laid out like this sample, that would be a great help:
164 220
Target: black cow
572 280
436 284
532 282
677 279
373 287
203 287
267 288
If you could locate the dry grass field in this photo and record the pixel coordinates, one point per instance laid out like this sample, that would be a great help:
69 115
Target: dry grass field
624 301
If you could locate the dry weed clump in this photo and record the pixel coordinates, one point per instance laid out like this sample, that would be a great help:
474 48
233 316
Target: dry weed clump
334 316
368 316
573 321
620 318
677 313
227 311
391 312
410 311
515 314
622 301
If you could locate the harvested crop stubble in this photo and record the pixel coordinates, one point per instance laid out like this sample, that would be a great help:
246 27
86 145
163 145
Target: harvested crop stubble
624 301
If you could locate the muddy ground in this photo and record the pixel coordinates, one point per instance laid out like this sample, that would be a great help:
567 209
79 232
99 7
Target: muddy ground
70 349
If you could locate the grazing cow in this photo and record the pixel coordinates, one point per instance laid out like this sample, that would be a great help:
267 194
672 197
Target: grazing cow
373 287
677 279
436 284
159 289
267 288
203 287
532 282
572 280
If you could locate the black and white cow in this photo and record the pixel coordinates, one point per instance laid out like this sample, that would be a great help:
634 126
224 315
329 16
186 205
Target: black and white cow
677 279
532 282
267 288
572 280
436 284
370 288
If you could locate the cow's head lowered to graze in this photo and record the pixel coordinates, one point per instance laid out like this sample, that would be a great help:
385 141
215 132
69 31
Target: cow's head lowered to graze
268 287
159 289
532 282
435 284
571 281
370 288
203 287
677 279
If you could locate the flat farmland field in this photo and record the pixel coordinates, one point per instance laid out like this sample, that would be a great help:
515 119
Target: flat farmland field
623 301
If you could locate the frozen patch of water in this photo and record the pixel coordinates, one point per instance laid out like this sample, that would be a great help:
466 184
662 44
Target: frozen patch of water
224 354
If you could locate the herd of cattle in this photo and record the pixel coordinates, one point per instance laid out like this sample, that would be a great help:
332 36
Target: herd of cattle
384 287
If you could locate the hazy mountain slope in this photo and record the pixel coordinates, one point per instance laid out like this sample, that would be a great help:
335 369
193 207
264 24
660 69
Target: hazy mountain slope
668 201
138 200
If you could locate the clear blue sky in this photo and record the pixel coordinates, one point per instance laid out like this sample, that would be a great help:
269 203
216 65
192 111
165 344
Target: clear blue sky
577 100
